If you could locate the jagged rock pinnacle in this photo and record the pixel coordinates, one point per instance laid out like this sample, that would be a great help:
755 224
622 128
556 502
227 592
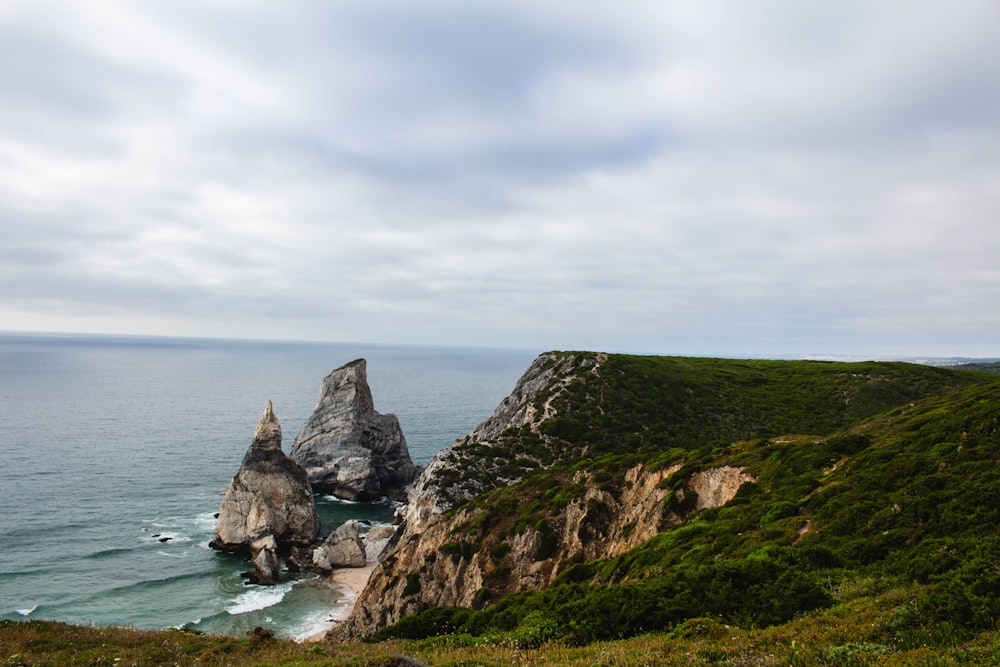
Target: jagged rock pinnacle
268 505
268 433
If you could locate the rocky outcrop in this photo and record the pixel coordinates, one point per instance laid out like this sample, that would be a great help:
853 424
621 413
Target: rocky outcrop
528 404
377 540
342 548
352 544
349 449
717 486
268 508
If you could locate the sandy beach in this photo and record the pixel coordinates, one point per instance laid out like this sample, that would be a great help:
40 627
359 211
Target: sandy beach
351 580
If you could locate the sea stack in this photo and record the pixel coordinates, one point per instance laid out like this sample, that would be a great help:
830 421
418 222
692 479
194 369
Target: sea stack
349 449
268 508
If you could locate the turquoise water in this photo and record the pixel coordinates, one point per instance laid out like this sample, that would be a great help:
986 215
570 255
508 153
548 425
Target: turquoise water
115 452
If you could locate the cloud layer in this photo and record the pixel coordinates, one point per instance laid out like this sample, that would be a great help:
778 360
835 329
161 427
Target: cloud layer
779 178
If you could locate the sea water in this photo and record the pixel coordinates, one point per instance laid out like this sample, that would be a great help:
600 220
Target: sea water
114 452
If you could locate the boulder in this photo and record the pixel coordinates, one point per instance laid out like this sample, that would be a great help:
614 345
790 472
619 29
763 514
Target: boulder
268 507
349 449
264 556
343 548
376 541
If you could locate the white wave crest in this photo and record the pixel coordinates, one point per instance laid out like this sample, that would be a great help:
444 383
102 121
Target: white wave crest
258 597
343 501
206 522
312 625
26 612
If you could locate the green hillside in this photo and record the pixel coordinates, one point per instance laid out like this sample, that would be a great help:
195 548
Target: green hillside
648 407
874 476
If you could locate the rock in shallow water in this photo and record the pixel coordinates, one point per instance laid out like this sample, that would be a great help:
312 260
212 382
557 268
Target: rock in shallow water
348 448
268 507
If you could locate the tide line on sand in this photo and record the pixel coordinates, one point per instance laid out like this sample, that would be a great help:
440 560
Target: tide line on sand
351 580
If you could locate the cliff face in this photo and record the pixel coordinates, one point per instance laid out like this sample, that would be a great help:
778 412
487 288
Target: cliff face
454 476
451 562
268 507
347 447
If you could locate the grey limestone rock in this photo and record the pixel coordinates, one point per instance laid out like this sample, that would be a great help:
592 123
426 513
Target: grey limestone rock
349 449
376 541
269 504
343 548
264 556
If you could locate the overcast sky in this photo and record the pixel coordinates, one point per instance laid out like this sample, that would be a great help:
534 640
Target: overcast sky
766 178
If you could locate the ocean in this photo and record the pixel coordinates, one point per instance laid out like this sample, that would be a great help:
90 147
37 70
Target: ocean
115 452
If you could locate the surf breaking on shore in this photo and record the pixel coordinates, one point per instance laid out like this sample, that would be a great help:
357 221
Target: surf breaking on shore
351 581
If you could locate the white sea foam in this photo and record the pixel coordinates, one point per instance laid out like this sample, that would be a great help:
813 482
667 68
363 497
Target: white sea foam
206 522
312 625
258 597
343 501
26 612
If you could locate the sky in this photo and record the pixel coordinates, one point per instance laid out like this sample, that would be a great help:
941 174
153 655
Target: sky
774 178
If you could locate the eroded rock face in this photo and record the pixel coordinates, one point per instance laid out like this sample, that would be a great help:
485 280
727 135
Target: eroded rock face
268 507
349 449
718 486
599 524
425 499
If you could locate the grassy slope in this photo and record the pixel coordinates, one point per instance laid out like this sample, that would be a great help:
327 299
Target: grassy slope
851 633
680 407
903 498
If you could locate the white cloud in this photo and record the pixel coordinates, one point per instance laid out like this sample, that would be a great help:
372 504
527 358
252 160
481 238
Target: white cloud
776 178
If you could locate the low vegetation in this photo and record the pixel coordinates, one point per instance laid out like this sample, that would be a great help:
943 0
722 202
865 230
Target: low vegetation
894 486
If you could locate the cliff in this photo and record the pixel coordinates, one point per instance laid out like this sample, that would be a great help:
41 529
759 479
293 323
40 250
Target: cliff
348 448
268 507
591 465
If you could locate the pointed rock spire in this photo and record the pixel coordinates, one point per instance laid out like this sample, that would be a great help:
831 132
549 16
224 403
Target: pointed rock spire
267 436
268 505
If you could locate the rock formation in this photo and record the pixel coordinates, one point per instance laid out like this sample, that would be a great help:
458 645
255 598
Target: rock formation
547 375
348 448
342 548
268 508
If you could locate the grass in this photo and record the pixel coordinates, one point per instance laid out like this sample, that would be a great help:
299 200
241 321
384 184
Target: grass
859 630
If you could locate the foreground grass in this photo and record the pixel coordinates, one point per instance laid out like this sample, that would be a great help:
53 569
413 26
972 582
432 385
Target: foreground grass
859 630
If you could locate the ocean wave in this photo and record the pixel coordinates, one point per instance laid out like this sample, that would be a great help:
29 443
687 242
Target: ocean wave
258 597
26 611
342 501
206 522
164 553
153 584
26 573
312 624
109 553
